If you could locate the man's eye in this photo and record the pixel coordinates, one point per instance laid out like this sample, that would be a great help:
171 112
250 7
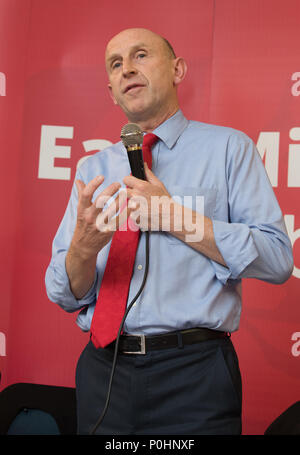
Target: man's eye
116 65
141 55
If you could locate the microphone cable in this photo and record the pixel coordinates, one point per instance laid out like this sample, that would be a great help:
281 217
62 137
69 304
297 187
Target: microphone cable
99 421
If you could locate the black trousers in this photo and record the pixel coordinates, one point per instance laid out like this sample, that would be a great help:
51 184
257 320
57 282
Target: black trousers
194 390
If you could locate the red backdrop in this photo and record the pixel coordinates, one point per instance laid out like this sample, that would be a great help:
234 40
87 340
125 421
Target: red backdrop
243 62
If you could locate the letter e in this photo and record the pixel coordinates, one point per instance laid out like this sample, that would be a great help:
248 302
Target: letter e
49 151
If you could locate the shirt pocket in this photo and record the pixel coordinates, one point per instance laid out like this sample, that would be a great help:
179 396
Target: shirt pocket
200 199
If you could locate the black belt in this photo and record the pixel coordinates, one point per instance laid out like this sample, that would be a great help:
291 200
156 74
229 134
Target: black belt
141 344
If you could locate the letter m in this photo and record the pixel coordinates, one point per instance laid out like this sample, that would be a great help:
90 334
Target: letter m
268 148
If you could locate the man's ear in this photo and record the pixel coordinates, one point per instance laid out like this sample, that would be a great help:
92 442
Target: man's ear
111 94
180 70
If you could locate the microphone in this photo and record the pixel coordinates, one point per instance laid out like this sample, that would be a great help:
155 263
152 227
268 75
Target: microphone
132 138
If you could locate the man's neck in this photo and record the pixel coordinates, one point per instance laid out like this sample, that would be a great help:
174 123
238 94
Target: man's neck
150 124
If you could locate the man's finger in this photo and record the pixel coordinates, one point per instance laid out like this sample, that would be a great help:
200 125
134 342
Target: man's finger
106 194
111 189
133 182
151 178
80 187
85 192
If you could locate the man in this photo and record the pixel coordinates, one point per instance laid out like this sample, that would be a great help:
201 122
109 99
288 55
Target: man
192 293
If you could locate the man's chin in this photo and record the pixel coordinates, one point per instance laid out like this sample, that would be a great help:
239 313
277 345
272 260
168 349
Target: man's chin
138 113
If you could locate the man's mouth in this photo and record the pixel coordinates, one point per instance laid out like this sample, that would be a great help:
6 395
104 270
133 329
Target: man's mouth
132 87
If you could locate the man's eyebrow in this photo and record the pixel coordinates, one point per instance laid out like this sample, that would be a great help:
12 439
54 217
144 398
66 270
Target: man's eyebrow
112 57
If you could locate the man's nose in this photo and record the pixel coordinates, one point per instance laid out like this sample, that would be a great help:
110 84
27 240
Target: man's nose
128 68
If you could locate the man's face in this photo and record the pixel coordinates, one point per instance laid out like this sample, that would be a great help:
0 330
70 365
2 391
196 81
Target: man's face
141 74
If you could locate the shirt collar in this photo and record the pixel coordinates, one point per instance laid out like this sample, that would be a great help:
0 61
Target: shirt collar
170 130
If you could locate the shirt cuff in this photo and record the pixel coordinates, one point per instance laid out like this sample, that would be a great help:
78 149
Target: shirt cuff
236 244
60 292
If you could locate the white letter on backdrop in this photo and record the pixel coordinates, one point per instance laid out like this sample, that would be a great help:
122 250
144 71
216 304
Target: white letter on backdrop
93 145
293 235
294 159
268 144
49 151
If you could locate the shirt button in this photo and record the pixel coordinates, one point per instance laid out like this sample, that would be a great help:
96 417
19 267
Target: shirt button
140 267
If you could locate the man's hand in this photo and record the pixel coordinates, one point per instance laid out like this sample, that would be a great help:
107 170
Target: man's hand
157 210
87 240
149 201
87 236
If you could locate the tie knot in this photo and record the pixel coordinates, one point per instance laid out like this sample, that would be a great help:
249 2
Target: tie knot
149 140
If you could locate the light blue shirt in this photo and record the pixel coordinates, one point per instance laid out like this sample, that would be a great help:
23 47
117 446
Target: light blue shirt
184 288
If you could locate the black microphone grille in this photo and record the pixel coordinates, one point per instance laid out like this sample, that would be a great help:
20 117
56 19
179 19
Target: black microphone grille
131 134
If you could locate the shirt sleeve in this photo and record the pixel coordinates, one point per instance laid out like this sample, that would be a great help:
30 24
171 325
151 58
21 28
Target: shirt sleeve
253 241
56 278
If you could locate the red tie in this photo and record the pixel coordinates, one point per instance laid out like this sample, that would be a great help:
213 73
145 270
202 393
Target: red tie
113 294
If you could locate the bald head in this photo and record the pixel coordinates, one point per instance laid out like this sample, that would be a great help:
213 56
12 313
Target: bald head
142 32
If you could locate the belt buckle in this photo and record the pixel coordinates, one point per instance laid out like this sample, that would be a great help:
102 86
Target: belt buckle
142 343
